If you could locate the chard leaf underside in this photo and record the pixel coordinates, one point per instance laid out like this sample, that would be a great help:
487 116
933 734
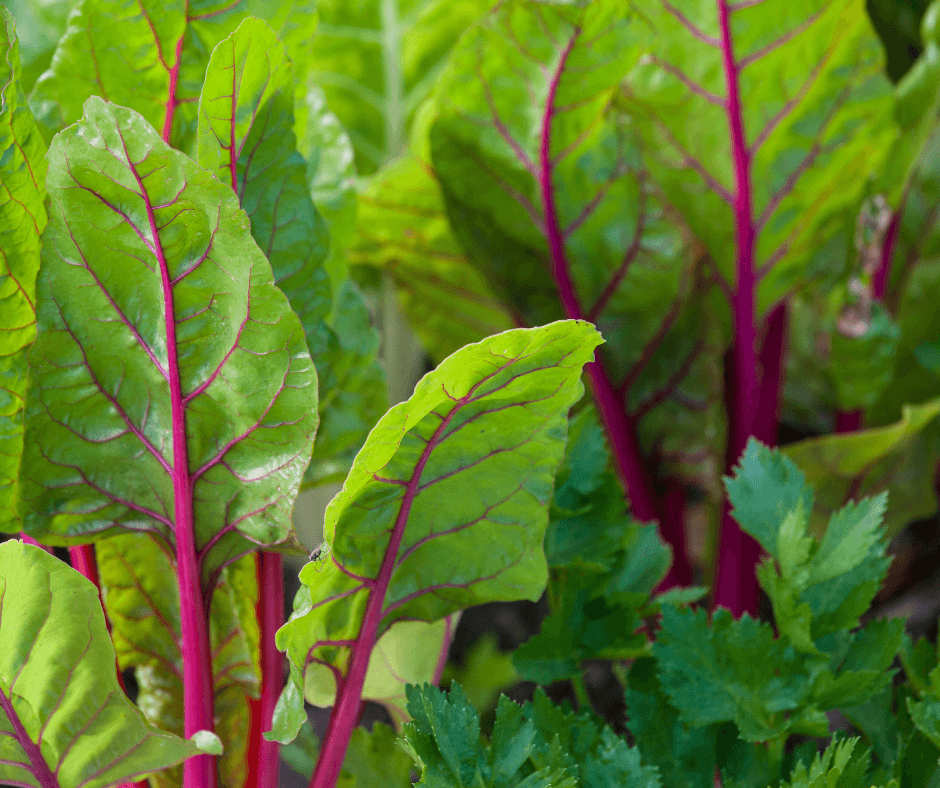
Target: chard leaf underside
445 506
64 720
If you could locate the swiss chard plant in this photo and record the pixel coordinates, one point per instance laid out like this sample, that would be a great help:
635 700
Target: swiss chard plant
714 216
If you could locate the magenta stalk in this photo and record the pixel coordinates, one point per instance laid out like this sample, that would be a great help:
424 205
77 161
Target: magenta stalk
263 755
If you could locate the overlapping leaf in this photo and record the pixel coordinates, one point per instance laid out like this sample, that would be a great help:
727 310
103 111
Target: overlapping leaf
804 81
467 461
409 653
22 220
64 720
142 602
546 191
379 59
246 137
159 322
164 45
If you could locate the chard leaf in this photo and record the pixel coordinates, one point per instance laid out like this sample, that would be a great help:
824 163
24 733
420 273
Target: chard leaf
408 653
402 229
63 717
377 60
22 221
546 190
246 137
467 461
867 462
807 122
162 335
165 45
142 602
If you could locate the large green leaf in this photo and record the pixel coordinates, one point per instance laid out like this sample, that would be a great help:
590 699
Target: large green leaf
22 220
64 720
547 192
142 602
163 46
806 86
158 319
39 26
378 60
446 505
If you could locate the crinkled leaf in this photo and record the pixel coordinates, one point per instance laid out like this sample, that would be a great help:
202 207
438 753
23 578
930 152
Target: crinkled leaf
546 190
685 756
870 461
164 45
58 684
377 60
408 653
158 310
22 221
142 602
468 460
816 112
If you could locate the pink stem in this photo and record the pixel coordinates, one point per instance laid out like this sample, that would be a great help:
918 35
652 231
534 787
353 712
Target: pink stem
850 420
198 698
672 528
621 431
736 584
29 540
348 709
171 100
263 755
883 274
773 356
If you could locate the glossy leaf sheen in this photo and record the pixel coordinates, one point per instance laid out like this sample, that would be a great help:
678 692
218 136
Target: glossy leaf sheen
64 720
145 245
22 220
469 459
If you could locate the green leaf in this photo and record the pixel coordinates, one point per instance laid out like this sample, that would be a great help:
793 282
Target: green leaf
353 394
40 25
58 684
734 671
547 192
408 653
378 60
444 740
816 111
374 760
862 367
486 672
685 756
208 742
142 602
834 767
158 310
248 141
402 229
868 462
468 461
22 221
165 45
